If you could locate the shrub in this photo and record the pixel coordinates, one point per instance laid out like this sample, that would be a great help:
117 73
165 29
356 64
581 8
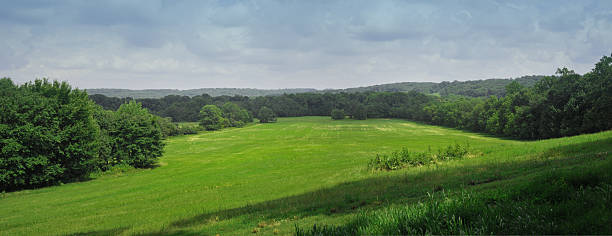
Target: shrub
212 118
337 114
360 112
406 158
135 137
167 127
236 116
266 115
451 152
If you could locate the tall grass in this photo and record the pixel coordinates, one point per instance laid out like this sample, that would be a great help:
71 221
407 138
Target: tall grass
573 201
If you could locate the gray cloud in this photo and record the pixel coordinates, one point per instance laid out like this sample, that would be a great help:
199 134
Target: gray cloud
279 44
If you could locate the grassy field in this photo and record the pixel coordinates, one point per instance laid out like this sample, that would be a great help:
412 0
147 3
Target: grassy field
268 178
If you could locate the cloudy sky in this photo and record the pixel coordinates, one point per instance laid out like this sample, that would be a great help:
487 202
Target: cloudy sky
290 44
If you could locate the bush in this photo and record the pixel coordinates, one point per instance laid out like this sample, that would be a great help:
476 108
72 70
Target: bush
167 127
337 114
48 134
133 136
360 112
266 115
236 116
212 118
451 152
406 158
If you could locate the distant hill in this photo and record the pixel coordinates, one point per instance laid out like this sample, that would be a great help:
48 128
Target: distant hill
159 93
472 88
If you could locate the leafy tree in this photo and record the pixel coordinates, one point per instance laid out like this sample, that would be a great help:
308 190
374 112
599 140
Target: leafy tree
212 118
136 136
167 127
337 114
48 134
266 115
236 116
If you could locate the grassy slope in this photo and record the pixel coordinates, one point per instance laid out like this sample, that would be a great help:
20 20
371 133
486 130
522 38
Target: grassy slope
270 177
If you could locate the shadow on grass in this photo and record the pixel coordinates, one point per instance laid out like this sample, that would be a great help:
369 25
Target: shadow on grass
410 187
102 232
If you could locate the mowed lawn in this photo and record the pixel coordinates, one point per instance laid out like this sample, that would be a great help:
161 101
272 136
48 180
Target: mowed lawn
268 178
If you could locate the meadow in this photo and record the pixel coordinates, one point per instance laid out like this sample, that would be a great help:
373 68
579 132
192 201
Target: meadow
298 172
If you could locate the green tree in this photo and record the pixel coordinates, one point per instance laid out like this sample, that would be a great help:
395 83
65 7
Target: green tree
211 118
337 114
266 115
137 136
236 116
48 134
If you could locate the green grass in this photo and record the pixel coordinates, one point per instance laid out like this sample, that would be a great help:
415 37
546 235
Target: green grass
269 178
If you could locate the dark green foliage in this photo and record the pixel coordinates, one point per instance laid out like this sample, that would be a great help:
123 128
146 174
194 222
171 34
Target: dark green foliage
170 128
236 116
48 134
452 152
359 112
266 115
406 158
337 114
558 202
132 136
212 118
167 127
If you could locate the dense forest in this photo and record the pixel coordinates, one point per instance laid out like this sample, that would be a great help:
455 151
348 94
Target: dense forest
472 88
553 106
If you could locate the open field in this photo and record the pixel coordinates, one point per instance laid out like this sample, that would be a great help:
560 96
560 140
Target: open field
270 177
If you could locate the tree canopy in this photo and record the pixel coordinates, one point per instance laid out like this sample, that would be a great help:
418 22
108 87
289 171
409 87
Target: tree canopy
266 115
212 118
48 134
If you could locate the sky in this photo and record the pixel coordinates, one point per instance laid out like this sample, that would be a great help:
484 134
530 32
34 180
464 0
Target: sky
296 44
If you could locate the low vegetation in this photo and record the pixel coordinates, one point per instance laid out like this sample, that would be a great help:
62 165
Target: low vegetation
406 158
337 114
572 201
266 115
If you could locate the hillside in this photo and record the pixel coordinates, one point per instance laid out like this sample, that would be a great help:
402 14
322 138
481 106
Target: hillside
159 93
268 178
472 88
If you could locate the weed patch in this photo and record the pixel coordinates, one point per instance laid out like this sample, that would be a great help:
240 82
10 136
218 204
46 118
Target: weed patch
406 158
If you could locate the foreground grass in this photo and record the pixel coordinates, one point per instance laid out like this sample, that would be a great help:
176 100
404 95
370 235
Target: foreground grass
268 178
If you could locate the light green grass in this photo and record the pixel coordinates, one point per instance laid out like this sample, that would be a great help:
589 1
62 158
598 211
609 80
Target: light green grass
270 177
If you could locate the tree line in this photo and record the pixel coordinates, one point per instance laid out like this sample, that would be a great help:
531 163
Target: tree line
553 106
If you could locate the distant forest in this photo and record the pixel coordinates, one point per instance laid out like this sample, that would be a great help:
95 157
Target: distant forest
159 93
473 88
535 107
182 108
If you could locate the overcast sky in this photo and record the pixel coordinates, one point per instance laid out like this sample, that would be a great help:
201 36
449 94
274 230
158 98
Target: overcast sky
291 44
